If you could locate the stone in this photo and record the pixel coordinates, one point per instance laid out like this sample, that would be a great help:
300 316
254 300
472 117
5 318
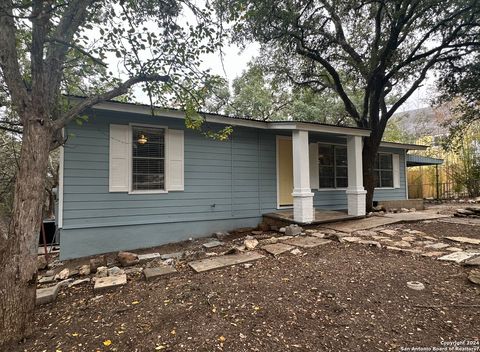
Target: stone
424 243
106 283
175 255
403 244
412 210
416 285
458 257
102 271
46 279
277 248
159 271
84 270
41 262
317 234
296 251
79 282
404 210
453 249
250 243
133 270
293 230
283 238
96 262
307 242
389 232
63 275
50 273
365 233
437 246
370 243
220 235
127 258
270 240
464 240
472 262
409 238
404 250
143 258
247 265
350 239
224 261
282 230
47 295
115 271
433 254
465 212
381 238
212 244
474 277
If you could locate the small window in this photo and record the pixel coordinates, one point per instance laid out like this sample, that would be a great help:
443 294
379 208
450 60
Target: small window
148 158
332 164
384 170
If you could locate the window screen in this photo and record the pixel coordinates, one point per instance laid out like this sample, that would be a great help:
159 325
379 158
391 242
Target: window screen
148 158
384 170
332 166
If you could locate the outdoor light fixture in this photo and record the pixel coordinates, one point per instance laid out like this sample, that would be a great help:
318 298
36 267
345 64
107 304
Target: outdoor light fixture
142 139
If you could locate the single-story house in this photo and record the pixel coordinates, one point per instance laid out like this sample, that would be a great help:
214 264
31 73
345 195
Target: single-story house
132 180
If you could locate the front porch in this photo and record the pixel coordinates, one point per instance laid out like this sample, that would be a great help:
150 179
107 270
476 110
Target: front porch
286 217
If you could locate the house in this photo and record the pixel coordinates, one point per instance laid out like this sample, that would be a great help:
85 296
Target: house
132 180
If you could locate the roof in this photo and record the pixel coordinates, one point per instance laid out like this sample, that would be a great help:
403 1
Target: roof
247 122
418 160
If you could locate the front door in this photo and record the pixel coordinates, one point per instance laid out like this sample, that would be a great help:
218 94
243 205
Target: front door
285 171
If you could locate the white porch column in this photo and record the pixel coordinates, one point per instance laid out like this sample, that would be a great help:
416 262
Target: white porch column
302 194
356 194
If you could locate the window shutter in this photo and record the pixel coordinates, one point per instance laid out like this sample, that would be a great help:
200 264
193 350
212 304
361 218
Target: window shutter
396 170
118 158
313 155
174 167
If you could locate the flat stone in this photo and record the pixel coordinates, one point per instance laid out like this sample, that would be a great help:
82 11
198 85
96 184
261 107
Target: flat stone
307 242
283 238
270 240
409 238
389 232
46 279
423 243
433 254
115 271
362 224
160 271
464 240
453 249
381 238
62 275
84 270
458 257
472 262
317 234
370 243
350 239
293 230
212 244
143 258
250 243
175 255
404 244
277 248
437 246
106 283
365 233
474 277
416 216
78 282
47 295
404 250
224 261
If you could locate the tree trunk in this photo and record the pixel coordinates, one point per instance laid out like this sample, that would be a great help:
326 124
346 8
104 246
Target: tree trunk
18 247
369 153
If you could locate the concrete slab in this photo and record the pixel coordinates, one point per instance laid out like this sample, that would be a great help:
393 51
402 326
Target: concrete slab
277 248
463 239
161 271
212 244
307 241
106 283
459 257
143 258
224 261
47 295
361 224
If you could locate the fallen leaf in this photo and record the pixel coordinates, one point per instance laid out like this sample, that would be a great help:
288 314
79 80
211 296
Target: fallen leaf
107 342
158 348
75 334
135 302
222 338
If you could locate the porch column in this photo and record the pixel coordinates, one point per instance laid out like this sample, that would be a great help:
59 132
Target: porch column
356 194
302 194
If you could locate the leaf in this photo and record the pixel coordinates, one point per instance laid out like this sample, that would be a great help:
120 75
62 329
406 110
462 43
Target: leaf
161 347
135 302
222 339
107 343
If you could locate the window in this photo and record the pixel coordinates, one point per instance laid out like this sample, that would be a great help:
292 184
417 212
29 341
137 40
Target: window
384 170
148 158
332 166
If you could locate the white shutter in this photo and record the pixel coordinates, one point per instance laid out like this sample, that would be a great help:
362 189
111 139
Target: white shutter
396 170
313 156
118 158
174 167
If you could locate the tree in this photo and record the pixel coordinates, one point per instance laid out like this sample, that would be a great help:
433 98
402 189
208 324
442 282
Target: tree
51 48
384 48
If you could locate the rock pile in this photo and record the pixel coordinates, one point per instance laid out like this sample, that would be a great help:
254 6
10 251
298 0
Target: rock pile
468 212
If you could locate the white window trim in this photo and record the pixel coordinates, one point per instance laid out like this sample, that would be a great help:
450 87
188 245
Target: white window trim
130 160
393 176
323 189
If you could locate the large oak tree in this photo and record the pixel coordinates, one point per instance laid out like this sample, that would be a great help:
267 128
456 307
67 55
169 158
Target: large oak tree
385 48
50 48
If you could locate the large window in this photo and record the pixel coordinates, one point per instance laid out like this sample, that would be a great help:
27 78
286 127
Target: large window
384 170
332 166
148 158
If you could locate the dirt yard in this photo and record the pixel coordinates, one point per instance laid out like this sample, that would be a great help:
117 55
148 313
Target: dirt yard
335 297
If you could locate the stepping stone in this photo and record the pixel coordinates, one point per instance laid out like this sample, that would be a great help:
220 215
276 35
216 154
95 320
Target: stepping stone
370 243
381 238
472 262
424 243
307 242
437 246
365 233
458 257
453 249
143 258
350 239
224 261
404 250
409 238
464 240
175 255
401 244
389 232
105 283
152 273
212 244
277 248
47 295
433 254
